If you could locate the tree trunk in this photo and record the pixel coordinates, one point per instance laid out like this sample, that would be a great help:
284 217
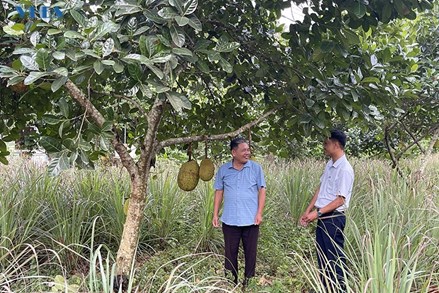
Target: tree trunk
139 183
130 236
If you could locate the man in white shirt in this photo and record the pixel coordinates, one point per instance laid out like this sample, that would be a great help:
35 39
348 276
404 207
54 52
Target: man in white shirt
328 205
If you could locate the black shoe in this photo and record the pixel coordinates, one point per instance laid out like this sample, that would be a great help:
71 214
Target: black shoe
231 276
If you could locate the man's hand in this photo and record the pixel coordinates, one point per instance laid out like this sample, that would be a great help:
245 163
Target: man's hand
307 218
258 219
302 220
215 222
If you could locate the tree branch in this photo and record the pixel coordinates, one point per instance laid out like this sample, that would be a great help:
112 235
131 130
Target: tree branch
132 101
182 140
412 136
148 146
389 150
97 117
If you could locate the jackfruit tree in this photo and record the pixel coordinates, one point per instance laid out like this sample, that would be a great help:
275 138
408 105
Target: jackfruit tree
179 71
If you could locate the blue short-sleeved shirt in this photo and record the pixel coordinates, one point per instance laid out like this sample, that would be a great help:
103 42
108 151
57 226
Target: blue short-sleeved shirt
241 192
337 180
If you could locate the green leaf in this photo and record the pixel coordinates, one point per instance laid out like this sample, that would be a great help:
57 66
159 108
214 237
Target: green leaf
61 71
203 66
20 51
226 66
190 6
167 13
163 59
15 80
182 52
135 71
157 87
195 23
3 160
34 76
148 45
64 107
414 67
103 29
178 101
108 47
29 62
177 37
59 163
58 55
58 83
80 69
70 144
18 26
224 46
153 16
358 9
370 79
10 31
91 53
327 46
51 144
108 62
79 17
43 59
50 119
136 57
181 20
155 70
53 31
35 38
73 35
178 4
127 7
141 30
98 67
309 103
118 67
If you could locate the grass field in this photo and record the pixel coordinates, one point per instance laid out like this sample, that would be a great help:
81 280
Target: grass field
60 234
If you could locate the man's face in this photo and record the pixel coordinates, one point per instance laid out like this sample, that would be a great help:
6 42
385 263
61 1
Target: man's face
329 146
242 153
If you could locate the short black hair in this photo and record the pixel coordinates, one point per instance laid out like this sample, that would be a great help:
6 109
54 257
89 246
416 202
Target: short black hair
339 136
236 141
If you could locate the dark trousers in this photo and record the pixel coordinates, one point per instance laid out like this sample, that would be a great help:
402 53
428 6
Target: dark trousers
330 255
232 238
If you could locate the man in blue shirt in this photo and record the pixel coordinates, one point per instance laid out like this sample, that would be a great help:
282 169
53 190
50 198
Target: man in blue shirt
328 205
241 184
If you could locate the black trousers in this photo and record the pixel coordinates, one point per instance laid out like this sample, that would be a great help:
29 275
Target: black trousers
330 245
232 238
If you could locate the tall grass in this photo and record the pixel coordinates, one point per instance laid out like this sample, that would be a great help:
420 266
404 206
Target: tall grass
56 228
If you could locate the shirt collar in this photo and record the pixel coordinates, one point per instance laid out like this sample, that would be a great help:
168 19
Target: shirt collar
230 165
339 161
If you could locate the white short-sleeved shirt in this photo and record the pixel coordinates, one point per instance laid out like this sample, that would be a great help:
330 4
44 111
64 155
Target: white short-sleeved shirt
337 180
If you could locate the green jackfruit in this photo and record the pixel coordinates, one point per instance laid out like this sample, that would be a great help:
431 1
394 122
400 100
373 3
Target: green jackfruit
188 176
207 169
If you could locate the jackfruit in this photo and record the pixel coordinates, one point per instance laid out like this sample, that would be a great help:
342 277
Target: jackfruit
207 169
188 177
